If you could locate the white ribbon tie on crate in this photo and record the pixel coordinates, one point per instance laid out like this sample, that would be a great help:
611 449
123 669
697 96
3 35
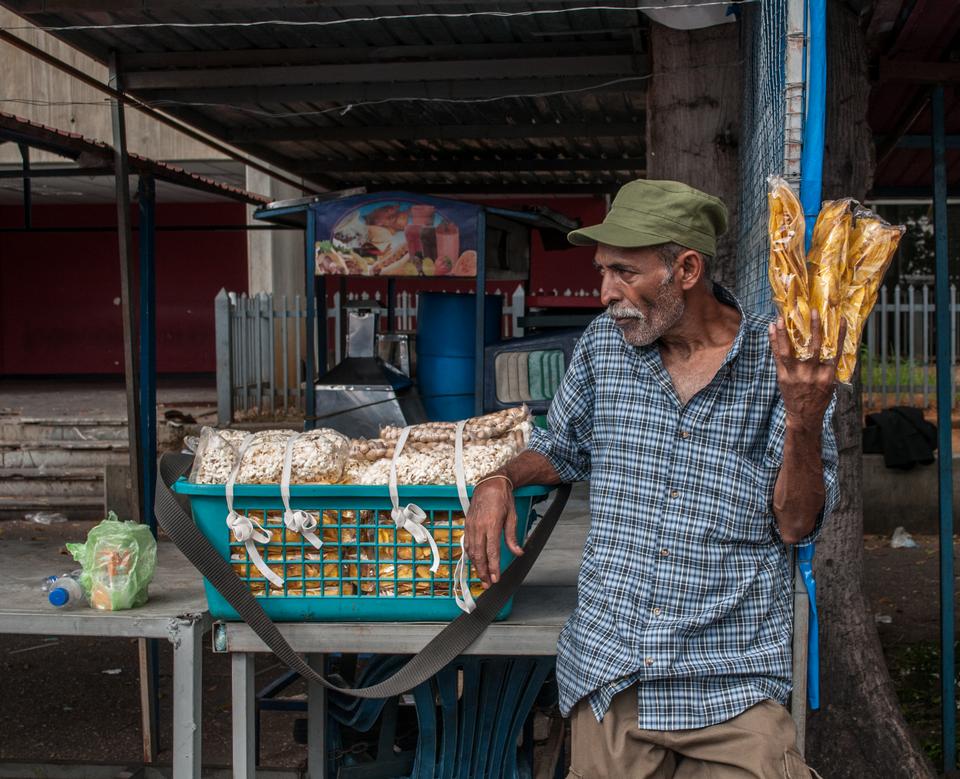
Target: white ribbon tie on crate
410 517
461 584
298 521
245 529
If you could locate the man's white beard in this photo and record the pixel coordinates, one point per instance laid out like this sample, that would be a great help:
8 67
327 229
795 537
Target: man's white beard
643 329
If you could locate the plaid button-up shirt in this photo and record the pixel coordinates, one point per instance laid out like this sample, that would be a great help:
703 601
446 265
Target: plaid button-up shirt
685 585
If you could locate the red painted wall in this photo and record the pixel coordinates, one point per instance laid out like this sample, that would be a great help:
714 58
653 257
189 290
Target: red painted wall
569 268
59 292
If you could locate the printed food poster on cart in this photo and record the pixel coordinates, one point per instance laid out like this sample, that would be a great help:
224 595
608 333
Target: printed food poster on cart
396 234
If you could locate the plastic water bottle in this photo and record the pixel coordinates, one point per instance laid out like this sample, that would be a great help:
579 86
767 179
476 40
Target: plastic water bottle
66 591
47 583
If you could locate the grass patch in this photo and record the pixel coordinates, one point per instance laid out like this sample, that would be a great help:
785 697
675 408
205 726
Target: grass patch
915 671
878 374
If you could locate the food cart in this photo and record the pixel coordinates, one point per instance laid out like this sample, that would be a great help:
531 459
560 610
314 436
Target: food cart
398 236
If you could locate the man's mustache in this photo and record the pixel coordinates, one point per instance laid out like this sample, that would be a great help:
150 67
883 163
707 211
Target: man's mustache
624 312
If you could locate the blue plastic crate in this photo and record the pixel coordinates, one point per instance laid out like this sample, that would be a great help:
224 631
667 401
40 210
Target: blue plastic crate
366 570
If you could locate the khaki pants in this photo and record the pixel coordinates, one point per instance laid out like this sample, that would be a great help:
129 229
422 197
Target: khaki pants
760 743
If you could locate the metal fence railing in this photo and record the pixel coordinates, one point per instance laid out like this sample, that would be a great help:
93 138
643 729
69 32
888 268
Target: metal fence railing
261 342
897 352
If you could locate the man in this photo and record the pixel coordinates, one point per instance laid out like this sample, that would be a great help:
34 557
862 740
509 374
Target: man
709 451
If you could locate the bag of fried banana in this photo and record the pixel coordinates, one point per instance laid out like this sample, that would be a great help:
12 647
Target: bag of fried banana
873 242
849 254
787 270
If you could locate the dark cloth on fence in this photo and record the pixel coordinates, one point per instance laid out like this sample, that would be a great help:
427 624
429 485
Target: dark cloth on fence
902 436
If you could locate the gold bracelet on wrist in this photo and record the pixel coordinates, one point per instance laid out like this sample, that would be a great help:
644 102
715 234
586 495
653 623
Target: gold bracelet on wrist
495 476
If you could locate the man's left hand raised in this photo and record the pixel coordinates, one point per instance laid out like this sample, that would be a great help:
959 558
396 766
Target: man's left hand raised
806 385
807 388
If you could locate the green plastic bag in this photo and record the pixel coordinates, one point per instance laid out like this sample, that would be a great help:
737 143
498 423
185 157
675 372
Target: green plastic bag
118 561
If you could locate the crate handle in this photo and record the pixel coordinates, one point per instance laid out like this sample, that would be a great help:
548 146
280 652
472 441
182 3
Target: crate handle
461 585
411 516
246 529
446 646
302 522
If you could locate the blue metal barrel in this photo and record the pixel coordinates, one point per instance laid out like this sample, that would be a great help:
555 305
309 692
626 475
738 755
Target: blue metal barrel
446 328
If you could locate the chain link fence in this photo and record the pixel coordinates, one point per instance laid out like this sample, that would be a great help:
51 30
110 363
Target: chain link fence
772 129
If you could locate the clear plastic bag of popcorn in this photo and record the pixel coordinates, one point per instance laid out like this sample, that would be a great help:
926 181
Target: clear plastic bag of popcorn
319 457
261 459
216 455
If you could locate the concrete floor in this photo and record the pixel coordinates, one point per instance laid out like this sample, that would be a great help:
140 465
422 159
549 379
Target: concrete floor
99 398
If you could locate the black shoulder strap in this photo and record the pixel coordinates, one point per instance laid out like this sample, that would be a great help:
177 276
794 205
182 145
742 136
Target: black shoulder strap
446 646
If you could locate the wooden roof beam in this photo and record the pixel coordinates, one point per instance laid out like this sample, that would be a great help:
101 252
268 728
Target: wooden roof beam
338 55
919 72
358 93
49 173
448 70
637 164
450 132
156 6
514 188
921 142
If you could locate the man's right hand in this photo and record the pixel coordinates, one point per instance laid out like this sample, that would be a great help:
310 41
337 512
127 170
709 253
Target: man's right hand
492 514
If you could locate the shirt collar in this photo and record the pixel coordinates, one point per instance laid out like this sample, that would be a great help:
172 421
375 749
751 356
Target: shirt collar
725 296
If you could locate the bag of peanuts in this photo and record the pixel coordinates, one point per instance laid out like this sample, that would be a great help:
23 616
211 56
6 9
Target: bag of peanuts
428 456
324 456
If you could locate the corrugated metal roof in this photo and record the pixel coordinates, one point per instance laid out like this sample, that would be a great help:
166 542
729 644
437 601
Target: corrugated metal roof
93 153
332 103
925 35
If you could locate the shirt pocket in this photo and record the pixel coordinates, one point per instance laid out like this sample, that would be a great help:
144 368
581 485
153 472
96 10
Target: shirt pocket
743 512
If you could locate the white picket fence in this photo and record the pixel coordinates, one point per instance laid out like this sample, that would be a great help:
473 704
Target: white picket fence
261 343
897 355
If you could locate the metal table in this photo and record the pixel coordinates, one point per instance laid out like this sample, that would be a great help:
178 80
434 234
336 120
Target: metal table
176 611
540 609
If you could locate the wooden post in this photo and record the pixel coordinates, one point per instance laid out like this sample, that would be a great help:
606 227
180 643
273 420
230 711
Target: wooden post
224 337
131 369
127 291
27 187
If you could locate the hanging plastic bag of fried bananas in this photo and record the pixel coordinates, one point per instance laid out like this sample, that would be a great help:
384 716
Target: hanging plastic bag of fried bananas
788 267
873 242
828 270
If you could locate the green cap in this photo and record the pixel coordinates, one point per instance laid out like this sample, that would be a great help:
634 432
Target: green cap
647 213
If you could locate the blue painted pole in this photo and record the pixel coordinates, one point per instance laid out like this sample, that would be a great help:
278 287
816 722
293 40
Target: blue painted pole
811 192
944 436
478 377
311 400
148 346
147 197
811 160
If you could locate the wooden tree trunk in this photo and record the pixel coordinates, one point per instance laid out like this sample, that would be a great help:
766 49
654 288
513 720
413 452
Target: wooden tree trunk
693 112
859 730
